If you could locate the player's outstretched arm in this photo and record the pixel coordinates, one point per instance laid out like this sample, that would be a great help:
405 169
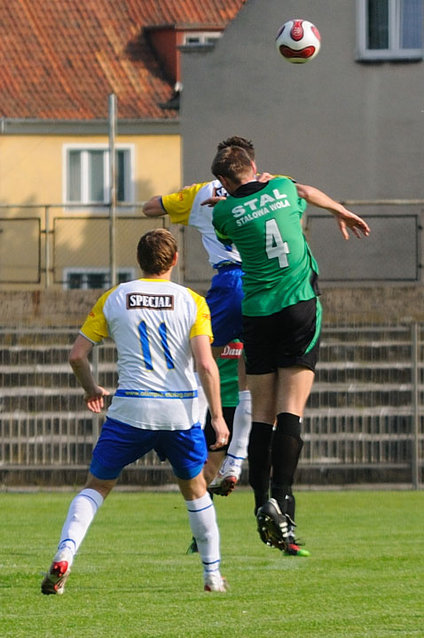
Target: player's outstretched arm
153 207
80 364
345 218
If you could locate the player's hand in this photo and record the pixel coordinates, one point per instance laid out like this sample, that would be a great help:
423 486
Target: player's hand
95 401
348 220
264 177
221 431
211 201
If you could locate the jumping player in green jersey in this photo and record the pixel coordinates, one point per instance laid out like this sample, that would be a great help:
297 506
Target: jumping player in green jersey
281 325
187 207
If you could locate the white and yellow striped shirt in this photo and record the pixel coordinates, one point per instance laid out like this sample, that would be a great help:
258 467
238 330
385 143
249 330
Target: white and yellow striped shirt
151 322
185 207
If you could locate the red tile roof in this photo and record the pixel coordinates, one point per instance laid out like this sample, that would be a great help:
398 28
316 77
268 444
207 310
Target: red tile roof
60 59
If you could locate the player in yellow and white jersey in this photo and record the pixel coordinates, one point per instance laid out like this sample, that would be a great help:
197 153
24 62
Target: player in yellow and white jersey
160 328
224 296
149 320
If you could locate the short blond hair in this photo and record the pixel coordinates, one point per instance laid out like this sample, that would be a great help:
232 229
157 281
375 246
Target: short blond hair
232 162
236 140
156 250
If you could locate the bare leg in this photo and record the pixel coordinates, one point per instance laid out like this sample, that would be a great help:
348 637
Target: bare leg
294 388
212 465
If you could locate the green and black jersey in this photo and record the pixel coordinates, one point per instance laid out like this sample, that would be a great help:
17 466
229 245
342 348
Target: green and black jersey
263 220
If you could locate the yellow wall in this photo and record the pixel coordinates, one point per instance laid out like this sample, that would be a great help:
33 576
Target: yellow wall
158 162
31 166
31 173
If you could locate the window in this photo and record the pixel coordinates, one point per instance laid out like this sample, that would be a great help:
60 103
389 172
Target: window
90 278
390 29
87 172
201 38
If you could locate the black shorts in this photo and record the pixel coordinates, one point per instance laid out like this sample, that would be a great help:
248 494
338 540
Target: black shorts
210 434
285 339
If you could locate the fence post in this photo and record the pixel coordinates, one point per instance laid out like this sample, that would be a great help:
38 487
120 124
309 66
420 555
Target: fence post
415 466
112 196
95 418
47 245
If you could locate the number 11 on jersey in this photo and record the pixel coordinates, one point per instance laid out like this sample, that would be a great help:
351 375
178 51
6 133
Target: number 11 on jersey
145 345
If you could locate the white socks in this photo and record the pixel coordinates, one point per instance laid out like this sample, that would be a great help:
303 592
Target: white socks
81 512
242 424
202 518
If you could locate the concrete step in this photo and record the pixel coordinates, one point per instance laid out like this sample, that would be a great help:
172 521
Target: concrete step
330 350
62 392
60 374
48 354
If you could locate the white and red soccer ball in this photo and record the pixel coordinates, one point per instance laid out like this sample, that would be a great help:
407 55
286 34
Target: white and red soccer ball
298 41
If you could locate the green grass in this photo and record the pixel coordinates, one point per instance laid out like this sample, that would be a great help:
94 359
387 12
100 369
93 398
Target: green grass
365 575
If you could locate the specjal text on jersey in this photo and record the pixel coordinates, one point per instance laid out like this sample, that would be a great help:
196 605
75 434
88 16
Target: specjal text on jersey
259 206
137 300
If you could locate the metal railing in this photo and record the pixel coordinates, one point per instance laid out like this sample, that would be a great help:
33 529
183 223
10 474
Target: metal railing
38 242
363 423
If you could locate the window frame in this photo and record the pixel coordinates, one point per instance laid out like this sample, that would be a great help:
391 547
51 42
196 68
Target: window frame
394 52
204 38
85 149
90 270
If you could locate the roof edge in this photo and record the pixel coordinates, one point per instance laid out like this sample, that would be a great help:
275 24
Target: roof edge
184 26
16 126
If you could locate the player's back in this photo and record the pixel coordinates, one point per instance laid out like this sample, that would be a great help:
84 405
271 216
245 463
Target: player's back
265 226
151 322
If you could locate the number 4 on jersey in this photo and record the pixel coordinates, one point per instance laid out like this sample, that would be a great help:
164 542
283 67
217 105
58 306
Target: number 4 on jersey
275 246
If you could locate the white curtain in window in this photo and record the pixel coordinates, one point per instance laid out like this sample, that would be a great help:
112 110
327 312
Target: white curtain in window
394 24
411 24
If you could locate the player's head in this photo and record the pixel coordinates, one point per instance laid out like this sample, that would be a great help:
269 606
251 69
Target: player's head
157 251
233 166
242 142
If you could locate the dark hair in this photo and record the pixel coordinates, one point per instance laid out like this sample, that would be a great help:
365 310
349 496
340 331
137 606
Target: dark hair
156 251
232 162
242 142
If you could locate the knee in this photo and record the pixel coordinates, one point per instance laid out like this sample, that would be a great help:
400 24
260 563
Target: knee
103 486
289 425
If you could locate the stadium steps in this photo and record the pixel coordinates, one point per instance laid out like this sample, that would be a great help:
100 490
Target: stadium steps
359 415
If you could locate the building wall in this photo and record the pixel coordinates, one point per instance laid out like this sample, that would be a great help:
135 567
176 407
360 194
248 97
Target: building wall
355 130
31 197
56 308
31 165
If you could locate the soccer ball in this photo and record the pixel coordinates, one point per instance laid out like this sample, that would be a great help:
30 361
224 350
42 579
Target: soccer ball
298 41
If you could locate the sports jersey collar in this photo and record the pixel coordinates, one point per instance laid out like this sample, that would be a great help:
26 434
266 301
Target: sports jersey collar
249 188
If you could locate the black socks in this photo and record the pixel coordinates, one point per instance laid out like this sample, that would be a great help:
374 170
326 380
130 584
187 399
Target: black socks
259 455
